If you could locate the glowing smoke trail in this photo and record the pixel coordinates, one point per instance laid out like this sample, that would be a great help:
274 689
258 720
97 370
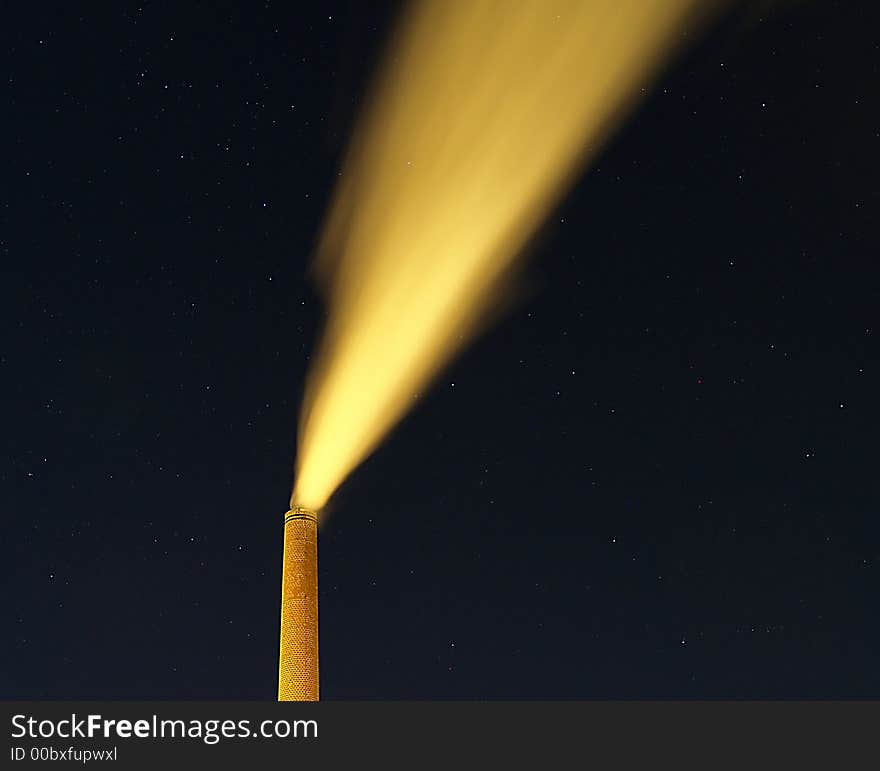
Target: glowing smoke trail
483 113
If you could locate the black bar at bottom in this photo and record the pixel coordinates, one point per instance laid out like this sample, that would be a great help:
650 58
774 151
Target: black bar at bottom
572 734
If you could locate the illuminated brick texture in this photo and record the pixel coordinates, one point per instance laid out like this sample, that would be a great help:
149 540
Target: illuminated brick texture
298 660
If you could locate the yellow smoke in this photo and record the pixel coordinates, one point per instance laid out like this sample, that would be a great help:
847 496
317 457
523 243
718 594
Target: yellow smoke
482 114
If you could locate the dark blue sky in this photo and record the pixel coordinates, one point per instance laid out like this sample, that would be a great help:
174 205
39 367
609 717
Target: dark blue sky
656 477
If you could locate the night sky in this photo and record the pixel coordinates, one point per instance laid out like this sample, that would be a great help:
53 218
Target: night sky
656 477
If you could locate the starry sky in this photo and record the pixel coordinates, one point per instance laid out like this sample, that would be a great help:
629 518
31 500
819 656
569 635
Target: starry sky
656 477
